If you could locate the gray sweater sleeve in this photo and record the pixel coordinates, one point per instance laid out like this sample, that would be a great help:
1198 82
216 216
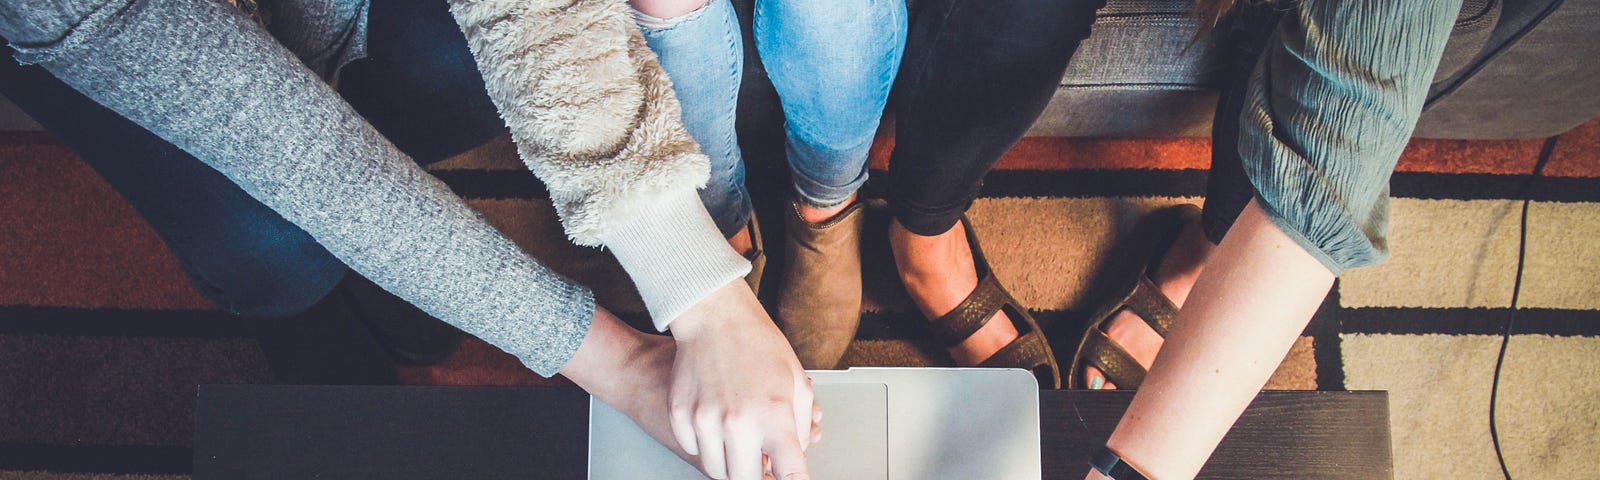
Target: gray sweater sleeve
1328 111
202 76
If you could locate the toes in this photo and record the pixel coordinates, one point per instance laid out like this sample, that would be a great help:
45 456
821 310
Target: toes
1094 379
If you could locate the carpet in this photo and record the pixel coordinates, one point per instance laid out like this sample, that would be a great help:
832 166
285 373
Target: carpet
102 339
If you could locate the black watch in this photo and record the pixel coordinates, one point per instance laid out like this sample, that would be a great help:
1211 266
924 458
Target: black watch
1109 464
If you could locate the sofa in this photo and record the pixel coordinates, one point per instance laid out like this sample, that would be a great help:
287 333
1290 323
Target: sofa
1512 69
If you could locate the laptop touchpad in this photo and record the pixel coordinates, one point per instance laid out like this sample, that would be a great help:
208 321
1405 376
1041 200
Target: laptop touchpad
855 438
855 432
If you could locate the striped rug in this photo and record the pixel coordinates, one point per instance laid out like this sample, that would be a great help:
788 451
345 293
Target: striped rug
102 339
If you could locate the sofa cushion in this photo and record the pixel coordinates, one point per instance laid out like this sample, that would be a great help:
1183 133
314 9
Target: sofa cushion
1536 77
1141 72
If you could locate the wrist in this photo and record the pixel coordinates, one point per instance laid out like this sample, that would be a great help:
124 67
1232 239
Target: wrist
1108 464
675 255
702 318
604 353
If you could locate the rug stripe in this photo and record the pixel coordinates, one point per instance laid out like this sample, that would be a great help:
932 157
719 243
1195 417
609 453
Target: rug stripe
494 184
1577 152
1499 157
104 322
521 184
1324 329
1469 321
169 460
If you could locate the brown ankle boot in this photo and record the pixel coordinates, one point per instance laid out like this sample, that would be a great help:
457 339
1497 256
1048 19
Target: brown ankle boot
757 256
819 307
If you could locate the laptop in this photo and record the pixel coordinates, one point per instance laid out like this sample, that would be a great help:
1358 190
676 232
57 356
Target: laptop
878 424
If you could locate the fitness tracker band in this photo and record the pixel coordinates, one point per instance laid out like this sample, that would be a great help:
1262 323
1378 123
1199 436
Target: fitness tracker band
1111 465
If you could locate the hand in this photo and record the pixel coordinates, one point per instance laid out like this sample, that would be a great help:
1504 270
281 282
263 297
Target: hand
631 371
738 391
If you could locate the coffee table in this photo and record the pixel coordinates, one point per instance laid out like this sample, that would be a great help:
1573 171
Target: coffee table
338 432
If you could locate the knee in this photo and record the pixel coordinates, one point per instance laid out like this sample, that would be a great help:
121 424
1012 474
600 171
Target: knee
27 24
845 43
41 32
668 9
269 276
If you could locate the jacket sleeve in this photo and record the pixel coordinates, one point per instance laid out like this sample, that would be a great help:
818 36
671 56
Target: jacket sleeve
200 75
1329 109
593 116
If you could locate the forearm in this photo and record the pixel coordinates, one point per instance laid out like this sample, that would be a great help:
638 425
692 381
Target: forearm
594 117
212 82
1247 308
609 349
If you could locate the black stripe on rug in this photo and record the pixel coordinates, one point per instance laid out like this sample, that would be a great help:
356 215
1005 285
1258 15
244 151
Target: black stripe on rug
123 459
1469 321
106 322
494 184
521 184
1327 348
1434 186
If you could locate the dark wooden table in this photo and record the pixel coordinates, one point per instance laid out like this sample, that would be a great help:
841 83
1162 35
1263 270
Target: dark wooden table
293 432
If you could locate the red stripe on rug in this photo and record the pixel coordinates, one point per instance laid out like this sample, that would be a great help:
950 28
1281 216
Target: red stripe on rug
1060 153
1575 156
71 241
1578 152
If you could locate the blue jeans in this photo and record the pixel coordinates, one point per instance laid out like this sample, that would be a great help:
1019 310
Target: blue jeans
237 252
832 63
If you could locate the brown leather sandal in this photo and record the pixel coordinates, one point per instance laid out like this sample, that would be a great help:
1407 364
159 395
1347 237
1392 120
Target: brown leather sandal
1030 350
1149 243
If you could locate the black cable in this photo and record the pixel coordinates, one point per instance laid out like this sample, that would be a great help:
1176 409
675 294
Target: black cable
1516 291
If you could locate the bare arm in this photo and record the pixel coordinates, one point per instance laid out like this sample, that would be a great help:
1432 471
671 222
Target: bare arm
1246 309
1328 111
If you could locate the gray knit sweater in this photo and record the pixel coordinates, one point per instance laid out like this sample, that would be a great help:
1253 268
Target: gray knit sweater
587 104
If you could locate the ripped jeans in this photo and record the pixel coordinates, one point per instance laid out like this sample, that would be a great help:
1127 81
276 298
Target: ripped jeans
832 63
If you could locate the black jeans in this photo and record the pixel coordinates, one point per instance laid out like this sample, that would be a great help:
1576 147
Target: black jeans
418 85
1244 35
976 75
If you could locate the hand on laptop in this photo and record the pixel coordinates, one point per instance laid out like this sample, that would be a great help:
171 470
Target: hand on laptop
738 391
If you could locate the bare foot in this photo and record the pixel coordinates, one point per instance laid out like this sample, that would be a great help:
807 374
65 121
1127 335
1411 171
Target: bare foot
1175 276
939 273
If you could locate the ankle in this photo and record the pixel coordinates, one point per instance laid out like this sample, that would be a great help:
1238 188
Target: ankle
1182 264
814 215
937 271
743 242
928 256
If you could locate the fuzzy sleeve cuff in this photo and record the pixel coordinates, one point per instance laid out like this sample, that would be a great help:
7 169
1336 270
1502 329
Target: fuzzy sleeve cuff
675 255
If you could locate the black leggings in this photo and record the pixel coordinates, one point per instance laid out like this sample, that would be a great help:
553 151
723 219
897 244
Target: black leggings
976 75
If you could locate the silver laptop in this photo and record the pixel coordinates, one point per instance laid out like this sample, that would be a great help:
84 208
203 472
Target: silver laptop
878 424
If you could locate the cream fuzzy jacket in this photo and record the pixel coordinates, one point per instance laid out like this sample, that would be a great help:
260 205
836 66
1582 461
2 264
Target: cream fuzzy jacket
593 116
